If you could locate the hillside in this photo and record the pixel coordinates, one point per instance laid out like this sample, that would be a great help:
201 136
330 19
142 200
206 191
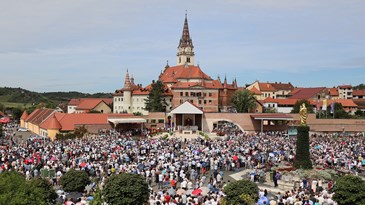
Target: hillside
19 97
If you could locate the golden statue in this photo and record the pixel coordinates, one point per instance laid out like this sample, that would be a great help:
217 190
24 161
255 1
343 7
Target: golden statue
303 115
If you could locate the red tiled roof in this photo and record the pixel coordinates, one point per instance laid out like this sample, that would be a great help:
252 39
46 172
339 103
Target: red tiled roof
24 115
89 104
284 101
343 102
345 86
146 90
215 84
266 87
306 93
51 123
2 114
358 93
333 91
254 90
282 86
360 103
74 101
39 115
183 72
68 121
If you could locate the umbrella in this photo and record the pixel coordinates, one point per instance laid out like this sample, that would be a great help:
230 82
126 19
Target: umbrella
205 190
271 154
235 158
189 192
53 158
171 191
196 191
180 191
82 164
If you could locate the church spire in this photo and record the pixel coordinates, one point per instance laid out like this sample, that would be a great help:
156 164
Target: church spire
127 82
185 52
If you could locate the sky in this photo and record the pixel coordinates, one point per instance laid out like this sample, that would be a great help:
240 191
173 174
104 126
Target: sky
87 45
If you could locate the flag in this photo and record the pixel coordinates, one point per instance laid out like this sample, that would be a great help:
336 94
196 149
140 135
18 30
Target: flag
324 104
318 105
332 107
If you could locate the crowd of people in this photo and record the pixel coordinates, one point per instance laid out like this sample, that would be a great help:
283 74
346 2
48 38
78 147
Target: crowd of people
174 167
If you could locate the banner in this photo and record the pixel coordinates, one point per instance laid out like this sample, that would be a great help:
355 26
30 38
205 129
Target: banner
332 107
324 104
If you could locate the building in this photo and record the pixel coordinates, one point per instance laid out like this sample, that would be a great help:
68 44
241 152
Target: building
183 82
86 105
345 91
358 94
272 90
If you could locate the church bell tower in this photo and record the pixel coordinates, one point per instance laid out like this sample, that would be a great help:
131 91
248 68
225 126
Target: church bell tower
185 50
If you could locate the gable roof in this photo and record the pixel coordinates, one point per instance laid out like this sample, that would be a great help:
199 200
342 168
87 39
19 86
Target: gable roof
255 91
187 108
24 115
39 115
266 87
89 104
343 102
306 93
51 123
333 91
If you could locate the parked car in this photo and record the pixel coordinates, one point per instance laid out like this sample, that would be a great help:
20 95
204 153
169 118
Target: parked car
22 129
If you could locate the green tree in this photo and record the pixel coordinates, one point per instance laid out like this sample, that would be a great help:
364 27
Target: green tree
339 112
126 189
80 131
154 101
359 113
43 190
349 190
14 189
244 101
74 181
241 192
297 105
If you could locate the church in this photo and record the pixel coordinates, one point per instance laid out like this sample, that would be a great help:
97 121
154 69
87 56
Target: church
184 82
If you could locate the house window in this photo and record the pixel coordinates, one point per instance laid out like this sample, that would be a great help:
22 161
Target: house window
179 59
181 94
153 121
210 94
210 101
186 94
188 59
205 102
200 102
161 121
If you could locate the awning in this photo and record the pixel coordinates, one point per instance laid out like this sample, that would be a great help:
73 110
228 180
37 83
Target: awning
127 120
187 108
272 117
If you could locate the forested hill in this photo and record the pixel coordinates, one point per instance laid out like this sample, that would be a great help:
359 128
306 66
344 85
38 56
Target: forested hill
11 97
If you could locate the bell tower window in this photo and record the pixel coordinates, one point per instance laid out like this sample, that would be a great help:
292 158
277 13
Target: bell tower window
188 59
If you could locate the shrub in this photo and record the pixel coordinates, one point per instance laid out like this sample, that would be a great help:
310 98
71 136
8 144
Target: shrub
74 181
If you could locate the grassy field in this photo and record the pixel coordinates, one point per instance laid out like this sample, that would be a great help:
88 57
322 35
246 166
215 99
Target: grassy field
4 101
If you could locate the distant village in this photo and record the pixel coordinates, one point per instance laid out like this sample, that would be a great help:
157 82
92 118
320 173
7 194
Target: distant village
192 101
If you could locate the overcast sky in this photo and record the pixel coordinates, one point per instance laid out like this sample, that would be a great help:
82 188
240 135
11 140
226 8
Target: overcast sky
87 45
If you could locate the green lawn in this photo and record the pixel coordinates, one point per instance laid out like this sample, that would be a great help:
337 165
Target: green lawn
11 104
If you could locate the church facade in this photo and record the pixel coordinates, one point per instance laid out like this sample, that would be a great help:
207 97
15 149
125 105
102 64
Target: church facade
183 82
